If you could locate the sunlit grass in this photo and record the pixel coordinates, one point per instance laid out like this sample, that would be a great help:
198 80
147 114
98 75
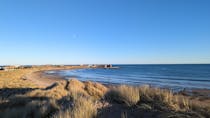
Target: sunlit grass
124 94
82 108
15 79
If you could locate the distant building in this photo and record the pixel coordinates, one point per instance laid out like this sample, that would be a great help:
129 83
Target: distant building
108 66
8 68
90 65
17 66
1 68
25 66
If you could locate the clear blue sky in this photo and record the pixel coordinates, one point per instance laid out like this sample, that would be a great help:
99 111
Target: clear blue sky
104 31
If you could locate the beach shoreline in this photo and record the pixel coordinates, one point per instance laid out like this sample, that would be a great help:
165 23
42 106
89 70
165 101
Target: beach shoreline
44 79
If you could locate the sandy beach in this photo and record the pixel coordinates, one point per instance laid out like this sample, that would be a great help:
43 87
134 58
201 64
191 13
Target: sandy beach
42 79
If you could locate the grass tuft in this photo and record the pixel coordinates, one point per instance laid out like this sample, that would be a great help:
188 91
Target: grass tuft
123 94
82 108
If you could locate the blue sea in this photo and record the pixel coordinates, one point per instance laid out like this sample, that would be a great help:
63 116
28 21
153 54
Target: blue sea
174 76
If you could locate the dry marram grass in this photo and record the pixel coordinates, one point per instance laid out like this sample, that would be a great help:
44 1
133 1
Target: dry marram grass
83 108
124 94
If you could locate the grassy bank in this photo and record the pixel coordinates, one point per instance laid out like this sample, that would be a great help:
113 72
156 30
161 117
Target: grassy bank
75 99
18 78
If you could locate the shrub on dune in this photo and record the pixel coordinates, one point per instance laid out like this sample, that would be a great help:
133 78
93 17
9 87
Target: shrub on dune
82 108
55 91
88 89
33 109
163 97
124 94
76 87
95 89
